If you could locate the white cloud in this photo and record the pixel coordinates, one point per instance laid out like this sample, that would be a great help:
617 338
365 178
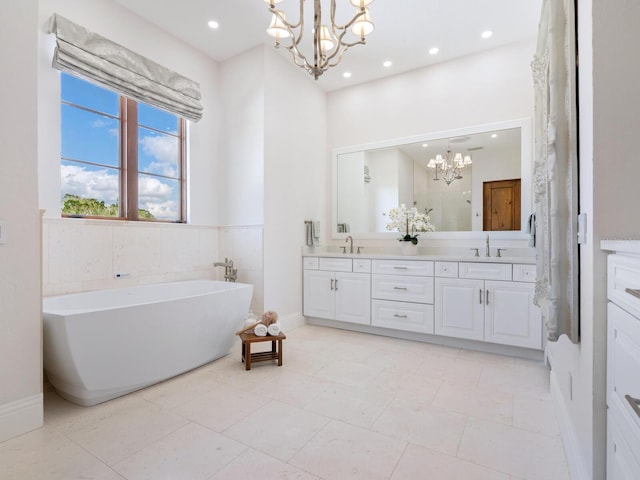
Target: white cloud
100 184
164 150
101 122
154 195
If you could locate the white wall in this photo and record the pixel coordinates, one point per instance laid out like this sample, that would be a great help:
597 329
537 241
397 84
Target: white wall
494 86
20 324
70 262
296 177
241 182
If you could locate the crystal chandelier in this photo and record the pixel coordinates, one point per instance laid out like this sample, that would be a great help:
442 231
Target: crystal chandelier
450 166
329 43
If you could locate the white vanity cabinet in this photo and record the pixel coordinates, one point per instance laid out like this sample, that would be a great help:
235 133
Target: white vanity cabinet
402 295
623 365
484 303
333 291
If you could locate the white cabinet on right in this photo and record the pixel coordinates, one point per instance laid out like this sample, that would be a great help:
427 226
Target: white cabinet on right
484 304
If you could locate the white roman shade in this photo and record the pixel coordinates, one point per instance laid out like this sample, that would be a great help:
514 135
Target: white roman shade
98 59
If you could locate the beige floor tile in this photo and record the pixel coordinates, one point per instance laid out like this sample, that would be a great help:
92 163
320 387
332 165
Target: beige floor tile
277 429
485 357
513 450
350 373
410 386
193 452
46 454
419 462
421 424
298 359
342 451
451 369
357 406
486 403
536 414
522 378
131 424
291 387
222 407
252 464
176 391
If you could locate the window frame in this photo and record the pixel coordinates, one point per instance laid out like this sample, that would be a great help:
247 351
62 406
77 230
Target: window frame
128 198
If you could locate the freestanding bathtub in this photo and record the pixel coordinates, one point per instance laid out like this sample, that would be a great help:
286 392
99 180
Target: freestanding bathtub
104 344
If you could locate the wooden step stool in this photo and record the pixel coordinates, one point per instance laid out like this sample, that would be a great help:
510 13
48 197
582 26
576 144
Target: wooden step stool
274 354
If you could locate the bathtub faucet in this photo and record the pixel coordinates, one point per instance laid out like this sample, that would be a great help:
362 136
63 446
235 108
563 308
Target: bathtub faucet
230 273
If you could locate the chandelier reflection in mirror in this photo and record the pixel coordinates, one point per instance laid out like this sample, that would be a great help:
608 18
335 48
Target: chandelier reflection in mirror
329 43
450 166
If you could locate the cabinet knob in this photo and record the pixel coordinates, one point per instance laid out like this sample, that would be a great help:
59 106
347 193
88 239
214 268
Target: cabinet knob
635 293
635 404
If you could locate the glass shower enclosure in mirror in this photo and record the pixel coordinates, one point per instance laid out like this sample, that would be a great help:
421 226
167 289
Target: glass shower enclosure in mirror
469 179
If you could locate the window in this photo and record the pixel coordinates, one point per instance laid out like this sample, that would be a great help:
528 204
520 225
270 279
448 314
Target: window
120 158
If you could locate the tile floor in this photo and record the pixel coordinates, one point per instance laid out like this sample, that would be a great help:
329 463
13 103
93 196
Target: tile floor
344 405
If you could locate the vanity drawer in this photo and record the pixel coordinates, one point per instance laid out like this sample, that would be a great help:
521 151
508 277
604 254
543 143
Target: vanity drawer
446 269
624 282
402 288
362 265
485 271
310 263
403 267
623 365
524 273
335 264
412 317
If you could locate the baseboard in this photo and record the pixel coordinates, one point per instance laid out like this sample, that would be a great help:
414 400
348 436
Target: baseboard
21 416
292 321
577 467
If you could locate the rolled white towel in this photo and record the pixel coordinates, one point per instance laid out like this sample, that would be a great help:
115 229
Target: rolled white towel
260 330
274 329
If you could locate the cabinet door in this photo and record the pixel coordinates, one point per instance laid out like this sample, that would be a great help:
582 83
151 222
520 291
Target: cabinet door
622 463
459 308
353 297
510 316
319 296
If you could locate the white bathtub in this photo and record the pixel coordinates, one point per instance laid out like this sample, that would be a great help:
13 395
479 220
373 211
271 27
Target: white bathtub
104 344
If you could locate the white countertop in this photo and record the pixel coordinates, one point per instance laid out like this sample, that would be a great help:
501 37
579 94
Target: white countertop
433 257
621 246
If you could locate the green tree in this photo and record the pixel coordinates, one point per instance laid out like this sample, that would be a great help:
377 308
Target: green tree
75 205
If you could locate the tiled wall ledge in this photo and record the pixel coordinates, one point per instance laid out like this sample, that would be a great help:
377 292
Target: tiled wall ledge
83 254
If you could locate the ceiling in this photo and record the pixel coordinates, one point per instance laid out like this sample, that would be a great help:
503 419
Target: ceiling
404 30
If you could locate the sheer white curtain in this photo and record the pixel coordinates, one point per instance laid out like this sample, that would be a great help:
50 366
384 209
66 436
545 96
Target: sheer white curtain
556 170
96 58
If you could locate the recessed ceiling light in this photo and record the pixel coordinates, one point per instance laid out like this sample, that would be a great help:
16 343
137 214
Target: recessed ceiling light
425 145
346 74
494 135
387 64
486 34
213 24
434 50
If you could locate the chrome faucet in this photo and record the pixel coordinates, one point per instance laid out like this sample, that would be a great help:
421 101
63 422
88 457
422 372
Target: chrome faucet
487 252
350 239
230 273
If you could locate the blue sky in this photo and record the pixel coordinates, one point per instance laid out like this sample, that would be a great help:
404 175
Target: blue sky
94 137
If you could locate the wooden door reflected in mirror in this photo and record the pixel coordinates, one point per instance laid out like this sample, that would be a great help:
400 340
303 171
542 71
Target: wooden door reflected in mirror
501 205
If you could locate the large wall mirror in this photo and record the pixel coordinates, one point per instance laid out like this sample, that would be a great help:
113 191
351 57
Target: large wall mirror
471 179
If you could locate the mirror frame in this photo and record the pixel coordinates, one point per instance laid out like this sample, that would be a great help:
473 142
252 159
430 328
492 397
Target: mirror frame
526 158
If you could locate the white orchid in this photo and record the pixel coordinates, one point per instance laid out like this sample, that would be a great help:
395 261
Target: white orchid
409 222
